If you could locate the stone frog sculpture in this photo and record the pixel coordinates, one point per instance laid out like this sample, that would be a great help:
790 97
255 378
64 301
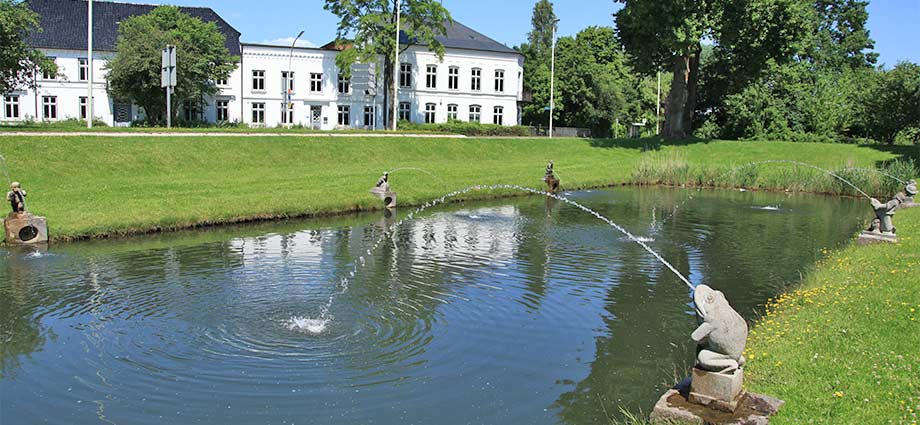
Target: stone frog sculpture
911 191
722 335
382 190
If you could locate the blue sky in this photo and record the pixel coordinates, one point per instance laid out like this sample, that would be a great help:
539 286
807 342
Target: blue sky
893 23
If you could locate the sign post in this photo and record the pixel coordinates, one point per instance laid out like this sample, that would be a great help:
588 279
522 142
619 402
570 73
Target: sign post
168 79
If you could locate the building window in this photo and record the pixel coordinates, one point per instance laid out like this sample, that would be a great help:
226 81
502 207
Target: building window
498 117
431 76
11 106
49 107
430 113
46 75
476 83
258 80
287 113
405 75
222 82
452 114
344 84
475 113
344 115
287 81
82 107
405 111
370 116
316 82
258 113
499 81
453 78
223 110
192 113
84 69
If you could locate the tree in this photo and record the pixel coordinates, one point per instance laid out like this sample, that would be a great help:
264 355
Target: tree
368 28
893 103
201 55
537 58
19 62
669 33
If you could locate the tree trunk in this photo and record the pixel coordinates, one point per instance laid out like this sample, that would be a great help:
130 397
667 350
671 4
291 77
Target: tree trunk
677 117
692 84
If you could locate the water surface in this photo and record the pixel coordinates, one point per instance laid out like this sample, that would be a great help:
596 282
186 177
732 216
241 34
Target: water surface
510 311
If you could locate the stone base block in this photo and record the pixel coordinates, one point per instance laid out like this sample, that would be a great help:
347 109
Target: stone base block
674 407
387 196
867 238
25 228
720 391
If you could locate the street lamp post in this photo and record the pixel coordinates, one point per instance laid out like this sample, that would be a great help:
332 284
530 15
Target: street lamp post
552 80
89 65
287 82
394 103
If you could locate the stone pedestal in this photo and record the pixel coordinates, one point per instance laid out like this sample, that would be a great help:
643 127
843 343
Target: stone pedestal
675 407
386 195
25 228
719 391
868 238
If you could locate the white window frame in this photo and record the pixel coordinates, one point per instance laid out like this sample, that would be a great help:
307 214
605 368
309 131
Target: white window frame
498 115
316 82
344 115
370 116
49 107
258 112
11 106
405 112
222 82
405 75
453 112
431 76
287 117
47 76
258 80
222 107
431 113
499 80
344 84
83 69
453 78
475 113
288 77
82 107
476 79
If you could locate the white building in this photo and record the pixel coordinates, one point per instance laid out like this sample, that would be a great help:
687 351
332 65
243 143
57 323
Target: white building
479 79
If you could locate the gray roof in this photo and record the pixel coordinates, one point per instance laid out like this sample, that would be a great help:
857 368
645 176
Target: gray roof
460 36
64 23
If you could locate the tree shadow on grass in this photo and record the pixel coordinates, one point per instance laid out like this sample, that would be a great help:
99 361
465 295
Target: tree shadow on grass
901 152
644 144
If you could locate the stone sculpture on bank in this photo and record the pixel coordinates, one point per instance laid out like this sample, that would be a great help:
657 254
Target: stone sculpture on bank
552 182
20 226
382 190
882 228
714 393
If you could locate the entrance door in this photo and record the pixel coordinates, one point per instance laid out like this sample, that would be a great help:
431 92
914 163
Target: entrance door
316 116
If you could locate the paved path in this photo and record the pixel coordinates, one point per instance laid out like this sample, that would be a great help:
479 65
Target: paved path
219 134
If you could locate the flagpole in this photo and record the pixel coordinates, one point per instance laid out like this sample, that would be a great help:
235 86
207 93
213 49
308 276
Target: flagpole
89 65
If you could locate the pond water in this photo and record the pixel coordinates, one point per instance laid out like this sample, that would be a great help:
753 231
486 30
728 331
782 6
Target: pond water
521 310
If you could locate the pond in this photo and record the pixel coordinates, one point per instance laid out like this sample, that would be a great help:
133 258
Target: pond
522 310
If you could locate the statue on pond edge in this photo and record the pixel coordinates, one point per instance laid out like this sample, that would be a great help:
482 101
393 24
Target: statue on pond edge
20 226
552 182
911 191
382 190
714 392
882 228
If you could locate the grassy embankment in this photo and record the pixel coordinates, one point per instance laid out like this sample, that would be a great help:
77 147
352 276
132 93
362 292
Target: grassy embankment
92 186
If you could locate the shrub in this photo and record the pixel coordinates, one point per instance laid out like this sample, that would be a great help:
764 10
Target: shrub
467 129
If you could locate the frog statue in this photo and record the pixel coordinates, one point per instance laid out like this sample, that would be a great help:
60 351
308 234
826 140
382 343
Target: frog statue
911 191
722 334
382 190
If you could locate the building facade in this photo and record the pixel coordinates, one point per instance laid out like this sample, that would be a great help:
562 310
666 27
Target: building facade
478 79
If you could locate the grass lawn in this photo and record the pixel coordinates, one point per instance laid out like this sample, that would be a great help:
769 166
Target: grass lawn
91 186
844 348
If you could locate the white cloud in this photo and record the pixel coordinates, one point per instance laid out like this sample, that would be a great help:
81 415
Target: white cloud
287 42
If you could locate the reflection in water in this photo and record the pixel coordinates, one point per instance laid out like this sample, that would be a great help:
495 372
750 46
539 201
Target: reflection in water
512 311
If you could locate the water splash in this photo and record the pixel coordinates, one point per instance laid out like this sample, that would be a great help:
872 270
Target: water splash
768 208
306 324
6 170
828 172
873 170
323 318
